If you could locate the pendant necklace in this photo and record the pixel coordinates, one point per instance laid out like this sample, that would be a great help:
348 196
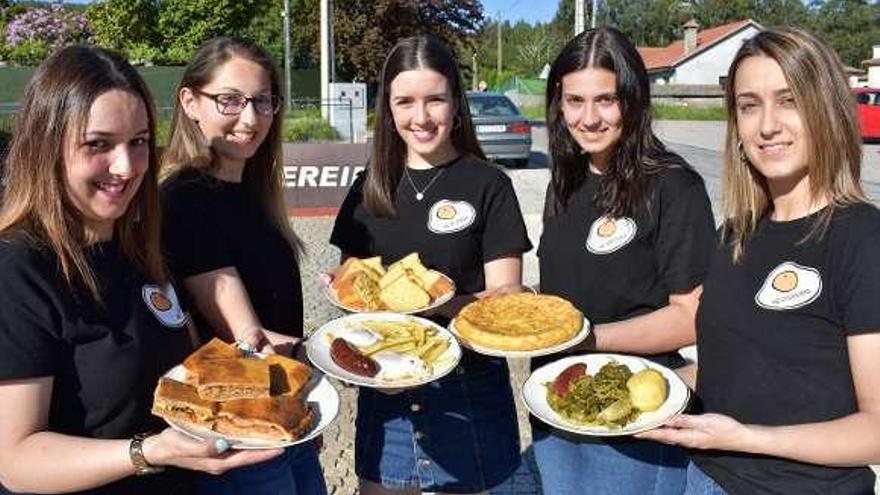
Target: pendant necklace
421 194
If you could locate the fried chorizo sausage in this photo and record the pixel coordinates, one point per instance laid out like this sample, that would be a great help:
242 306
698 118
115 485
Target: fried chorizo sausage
349 358
562 384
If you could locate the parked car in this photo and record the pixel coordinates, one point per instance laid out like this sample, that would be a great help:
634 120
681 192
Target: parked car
503 133
868 100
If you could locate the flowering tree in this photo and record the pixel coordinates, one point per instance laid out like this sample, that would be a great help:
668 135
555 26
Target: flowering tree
36 32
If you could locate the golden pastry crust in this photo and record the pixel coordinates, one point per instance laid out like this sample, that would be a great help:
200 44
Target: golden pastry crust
519 322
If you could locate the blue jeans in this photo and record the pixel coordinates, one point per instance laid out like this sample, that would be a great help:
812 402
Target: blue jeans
569 466
699 483
457 435
295 472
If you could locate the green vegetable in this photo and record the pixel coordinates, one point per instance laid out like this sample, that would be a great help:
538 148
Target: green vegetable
599 400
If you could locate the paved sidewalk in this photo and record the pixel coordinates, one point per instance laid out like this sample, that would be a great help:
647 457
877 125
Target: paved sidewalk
699 142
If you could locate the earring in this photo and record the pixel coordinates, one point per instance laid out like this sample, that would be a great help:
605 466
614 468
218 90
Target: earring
741 152
456 123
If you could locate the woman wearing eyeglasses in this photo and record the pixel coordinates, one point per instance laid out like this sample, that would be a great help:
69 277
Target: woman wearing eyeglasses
227 236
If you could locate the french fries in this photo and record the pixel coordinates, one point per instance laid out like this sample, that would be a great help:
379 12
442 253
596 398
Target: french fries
406 337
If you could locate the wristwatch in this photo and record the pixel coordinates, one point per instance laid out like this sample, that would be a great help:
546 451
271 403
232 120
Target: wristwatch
136 453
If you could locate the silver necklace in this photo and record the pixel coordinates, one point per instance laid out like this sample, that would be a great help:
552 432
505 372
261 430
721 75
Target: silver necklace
420 195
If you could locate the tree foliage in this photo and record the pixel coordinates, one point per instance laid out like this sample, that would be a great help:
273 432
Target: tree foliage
366 31
185 24
124 24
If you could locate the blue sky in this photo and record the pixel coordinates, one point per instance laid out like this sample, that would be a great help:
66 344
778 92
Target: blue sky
531 11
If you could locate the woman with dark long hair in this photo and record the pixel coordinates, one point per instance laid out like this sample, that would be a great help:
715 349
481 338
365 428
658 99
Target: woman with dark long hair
83 340
428 189
789 325
627 234
227 233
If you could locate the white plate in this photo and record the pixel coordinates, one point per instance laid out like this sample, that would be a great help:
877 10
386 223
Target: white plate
534 394
575 340
322 397
330 294
318 349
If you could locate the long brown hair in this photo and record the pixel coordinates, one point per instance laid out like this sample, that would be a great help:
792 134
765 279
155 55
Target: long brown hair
637 154
826 106
389 151
187 149
54 112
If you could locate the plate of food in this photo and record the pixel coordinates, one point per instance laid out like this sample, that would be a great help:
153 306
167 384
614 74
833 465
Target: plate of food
406 286
520 325
254 401
383 350
604 394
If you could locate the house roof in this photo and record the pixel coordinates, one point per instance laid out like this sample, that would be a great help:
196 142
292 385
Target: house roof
658 58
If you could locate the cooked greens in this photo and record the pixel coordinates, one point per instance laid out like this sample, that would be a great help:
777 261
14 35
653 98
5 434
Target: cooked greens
598 400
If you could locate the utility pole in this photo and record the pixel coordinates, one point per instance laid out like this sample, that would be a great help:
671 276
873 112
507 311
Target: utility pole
499 64
594 13
474 75
287 90
578 17
325 57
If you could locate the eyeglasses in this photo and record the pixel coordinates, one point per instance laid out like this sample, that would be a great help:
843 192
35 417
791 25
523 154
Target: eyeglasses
234 103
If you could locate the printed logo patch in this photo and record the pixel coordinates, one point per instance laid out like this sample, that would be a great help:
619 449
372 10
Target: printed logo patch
610 234
163 302
446 217
789 286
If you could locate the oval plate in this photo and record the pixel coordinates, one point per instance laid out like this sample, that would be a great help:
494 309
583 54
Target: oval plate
534 394
488 351
322 397
318 349
330 294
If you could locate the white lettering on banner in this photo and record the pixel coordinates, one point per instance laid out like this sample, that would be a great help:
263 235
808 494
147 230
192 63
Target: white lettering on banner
328 176
315 176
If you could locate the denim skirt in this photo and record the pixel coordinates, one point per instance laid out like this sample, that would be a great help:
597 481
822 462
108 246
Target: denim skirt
458 434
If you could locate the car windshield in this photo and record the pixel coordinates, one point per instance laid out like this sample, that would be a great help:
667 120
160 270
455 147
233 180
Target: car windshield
495 106
868 98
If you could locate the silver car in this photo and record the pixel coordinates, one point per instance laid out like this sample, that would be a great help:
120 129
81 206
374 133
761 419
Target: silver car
504 134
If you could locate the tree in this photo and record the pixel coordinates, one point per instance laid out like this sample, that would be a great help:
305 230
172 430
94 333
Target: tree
850 26
185 24
34 33
118 24
366 31
126 25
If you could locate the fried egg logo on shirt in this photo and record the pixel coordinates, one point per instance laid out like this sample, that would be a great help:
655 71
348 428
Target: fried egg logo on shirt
789 286
163 302
446 217
610 234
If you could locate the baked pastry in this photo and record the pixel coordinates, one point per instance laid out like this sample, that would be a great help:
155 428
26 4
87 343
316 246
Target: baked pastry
407 285
287 376
228 379
519 322
405 294
282 418
214 349
177 401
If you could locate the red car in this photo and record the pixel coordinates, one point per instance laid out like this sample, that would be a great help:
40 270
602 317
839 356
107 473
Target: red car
869 112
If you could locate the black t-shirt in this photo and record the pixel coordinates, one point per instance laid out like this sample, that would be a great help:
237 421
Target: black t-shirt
212 224
772 333
614 270
105 357
469 216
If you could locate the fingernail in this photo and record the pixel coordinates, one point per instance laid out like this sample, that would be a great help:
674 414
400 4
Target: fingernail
221 445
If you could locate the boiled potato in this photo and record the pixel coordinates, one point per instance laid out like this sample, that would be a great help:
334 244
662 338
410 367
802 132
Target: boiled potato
647 390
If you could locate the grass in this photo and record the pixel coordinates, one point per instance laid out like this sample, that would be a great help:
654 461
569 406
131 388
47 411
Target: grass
661 112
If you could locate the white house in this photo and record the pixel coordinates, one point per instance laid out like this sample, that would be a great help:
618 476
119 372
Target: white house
873 65
702 57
